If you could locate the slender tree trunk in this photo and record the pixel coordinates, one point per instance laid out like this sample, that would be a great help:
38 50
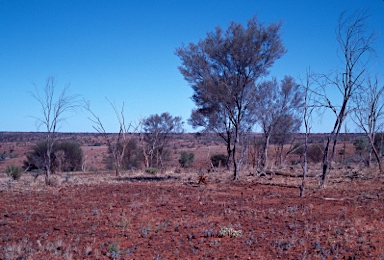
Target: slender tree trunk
328 158
375 152
48 161
305 166
235 165
229 152
281 154
48 168
265 152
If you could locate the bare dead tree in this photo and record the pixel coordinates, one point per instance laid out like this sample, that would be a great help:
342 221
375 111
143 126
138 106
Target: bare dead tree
308 109
53 114
368 114
355 44
117 143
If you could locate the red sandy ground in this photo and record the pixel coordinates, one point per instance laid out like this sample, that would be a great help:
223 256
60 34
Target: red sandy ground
98 216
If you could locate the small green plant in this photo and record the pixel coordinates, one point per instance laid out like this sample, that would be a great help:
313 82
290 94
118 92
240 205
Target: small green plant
14 172
12 156
186 159
151 170
67 177
114 250
361 144
3 156
144 231
124 222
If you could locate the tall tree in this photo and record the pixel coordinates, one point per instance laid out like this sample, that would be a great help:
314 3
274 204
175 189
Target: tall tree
355 42
222 70
53 111
157 130
278 104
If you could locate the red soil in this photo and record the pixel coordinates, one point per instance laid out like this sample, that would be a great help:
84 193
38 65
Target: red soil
171 217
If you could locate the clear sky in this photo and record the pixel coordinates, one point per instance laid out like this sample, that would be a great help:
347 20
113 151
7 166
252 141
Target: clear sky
124 51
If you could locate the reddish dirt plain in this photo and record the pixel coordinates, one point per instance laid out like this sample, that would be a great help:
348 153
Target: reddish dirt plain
169 216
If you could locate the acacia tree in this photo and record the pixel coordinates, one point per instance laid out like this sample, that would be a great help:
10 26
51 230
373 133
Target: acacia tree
278 104
368 114
117 143
222 70
157 130
355 43
53 113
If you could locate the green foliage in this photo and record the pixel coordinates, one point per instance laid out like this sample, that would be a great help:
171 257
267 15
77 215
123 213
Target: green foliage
361 144
65 156
219 160
11 156
151 170
186 159
158 130
132 156
315 152
114 250
298 149
3 156
14 172
379 142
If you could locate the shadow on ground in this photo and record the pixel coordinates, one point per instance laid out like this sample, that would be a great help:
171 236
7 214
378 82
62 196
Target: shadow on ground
147 178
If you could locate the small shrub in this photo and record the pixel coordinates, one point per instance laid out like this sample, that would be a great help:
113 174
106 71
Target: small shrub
114 250
315 153
3 156
14 172
361 144
186 159
219 160
151 170
12 156
298 149
65 156
229 232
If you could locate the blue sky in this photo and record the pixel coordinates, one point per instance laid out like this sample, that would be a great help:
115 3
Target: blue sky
124 51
